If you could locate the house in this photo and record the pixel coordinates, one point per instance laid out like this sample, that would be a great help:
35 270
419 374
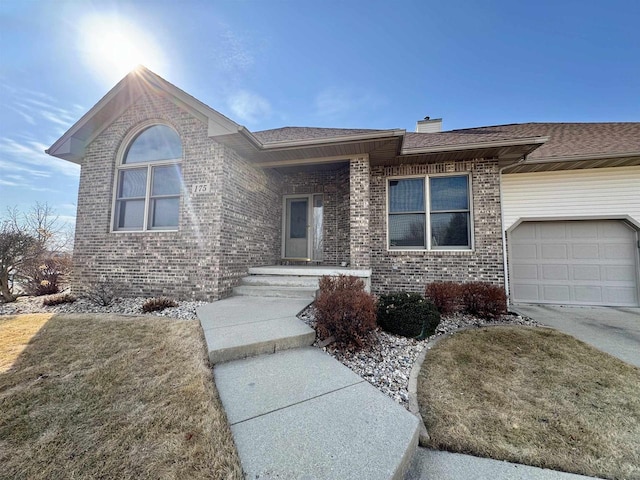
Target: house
177 199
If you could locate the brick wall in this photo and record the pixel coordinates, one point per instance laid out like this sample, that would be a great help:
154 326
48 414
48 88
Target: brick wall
396 270
359 227
252 219
182 264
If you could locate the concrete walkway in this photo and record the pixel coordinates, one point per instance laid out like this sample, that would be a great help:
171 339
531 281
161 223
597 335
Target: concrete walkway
615 330
298 413
433 464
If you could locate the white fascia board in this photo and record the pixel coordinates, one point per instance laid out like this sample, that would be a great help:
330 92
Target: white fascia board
380 134
475 146
578 158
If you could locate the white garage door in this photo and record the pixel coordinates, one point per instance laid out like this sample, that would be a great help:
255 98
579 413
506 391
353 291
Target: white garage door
574 263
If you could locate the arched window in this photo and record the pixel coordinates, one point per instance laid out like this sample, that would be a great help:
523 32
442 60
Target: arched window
149 181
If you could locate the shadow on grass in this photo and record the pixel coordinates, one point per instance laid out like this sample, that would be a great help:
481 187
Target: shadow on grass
105 396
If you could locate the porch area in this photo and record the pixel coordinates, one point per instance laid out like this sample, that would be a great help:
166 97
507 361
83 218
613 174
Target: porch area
292 281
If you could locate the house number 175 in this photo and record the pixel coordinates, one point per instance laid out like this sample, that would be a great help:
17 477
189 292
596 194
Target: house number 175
201 188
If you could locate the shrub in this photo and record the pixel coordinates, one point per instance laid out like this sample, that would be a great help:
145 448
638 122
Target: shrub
445 296
158 304
483 299
407 314
58 300
45 277
344 310
102 293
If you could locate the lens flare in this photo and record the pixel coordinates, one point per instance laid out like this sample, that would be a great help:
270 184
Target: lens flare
112 46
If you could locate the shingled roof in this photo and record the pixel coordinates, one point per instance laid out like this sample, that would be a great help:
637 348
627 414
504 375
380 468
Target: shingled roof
286 134
565 139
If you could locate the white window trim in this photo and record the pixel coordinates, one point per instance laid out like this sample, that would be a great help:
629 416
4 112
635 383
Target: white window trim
120 166
427 192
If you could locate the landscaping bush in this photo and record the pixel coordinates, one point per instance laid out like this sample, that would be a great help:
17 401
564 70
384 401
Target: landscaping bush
45 277
102 294
157 304
483 299
344 310
407 314
445 296
58 300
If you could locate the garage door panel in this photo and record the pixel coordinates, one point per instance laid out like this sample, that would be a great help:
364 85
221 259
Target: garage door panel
528 293
588 294
574 262
618 251
622 273
620 296
526 272
556 293
585 251
552 231
586 272
526 251
555 272
554 251
583 230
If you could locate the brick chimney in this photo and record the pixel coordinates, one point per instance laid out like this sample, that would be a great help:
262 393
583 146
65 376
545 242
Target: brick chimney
429 125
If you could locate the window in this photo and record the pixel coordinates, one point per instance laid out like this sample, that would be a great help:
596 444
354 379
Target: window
149 182
437 217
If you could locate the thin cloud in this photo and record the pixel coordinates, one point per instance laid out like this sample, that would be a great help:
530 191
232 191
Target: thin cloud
334 102
249 107
30 156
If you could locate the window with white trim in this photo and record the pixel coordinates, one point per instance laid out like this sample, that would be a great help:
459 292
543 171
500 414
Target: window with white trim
429 213
149 182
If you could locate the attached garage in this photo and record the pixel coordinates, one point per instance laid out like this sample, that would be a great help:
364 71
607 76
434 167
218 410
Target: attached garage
584 262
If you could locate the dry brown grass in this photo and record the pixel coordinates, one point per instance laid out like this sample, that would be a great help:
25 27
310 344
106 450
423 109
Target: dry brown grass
102 396
533 396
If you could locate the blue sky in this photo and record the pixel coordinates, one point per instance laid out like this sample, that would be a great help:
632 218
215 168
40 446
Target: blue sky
267 64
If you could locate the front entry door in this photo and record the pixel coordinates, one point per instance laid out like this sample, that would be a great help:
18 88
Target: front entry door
302 228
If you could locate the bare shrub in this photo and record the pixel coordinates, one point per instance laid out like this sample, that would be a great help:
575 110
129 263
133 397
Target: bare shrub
158 304
102 293
58 300
344 310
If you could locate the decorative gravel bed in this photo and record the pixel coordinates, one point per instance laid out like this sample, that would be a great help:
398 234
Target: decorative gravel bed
386 360
122 306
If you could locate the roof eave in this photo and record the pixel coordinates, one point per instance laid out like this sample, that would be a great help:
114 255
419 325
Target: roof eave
533 141
292 144
72 144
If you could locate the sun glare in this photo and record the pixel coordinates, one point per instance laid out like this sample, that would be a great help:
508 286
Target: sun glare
113 46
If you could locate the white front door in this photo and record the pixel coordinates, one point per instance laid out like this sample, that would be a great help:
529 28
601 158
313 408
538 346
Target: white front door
302 227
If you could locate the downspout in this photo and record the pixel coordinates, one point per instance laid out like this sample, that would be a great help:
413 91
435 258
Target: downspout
504 232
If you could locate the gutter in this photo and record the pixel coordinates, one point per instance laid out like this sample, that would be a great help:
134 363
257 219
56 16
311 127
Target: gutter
475 146
290 144
578 158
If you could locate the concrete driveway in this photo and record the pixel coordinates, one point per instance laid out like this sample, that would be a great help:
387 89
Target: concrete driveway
615 330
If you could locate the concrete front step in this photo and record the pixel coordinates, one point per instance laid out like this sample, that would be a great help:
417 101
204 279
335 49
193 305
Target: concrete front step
275 291
281 281
240 327
300 414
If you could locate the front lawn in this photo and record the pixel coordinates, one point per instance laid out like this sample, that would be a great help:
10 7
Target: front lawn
533 396
103 396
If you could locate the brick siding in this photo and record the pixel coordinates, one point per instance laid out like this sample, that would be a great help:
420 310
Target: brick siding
238 223
397 270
